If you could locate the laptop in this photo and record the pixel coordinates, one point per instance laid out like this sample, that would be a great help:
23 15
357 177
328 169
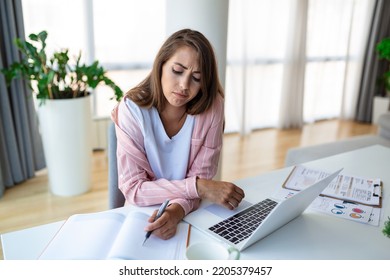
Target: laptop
250 223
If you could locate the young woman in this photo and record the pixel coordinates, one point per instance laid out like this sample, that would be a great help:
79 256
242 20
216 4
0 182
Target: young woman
169 130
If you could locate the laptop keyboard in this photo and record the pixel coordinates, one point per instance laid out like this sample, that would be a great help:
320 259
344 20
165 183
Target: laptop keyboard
240 226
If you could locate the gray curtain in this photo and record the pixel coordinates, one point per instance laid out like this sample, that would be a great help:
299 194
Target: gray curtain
21 152
373 67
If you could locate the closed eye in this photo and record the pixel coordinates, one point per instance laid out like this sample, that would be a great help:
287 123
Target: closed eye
176 72
179 71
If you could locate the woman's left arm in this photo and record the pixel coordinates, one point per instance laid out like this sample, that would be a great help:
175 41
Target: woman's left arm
206 149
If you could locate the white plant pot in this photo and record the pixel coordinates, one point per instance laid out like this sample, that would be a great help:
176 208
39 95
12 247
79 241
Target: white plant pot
66 134
381 105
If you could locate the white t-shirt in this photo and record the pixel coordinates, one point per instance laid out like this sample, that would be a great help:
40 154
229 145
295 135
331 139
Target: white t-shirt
168 157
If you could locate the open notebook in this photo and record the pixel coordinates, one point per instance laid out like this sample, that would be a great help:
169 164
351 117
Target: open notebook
112 235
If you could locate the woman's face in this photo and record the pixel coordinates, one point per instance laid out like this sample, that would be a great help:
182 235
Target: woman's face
181 76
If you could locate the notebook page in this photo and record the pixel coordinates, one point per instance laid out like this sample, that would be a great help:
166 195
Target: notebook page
85 236
128 244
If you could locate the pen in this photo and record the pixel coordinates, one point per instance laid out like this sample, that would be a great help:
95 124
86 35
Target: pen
159 213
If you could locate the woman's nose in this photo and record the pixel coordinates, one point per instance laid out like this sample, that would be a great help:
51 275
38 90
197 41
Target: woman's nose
184 82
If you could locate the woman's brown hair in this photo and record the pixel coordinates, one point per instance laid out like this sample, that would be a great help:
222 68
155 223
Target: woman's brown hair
149 92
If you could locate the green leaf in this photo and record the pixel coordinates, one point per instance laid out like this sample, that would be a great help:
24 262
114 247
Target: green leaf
386 228
383 48
33 37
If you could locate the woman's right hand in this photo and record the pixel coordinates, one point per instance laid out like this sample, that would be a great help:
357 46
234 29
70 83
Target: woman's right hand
165 226
224 193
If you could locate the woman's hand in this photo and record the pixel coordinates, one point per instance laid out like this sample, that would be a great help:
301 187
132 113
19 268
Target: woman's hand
165 226
223 193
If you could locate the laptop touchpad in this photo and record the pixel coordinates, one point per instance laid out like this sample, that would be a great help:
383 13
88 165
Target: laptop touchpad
223 212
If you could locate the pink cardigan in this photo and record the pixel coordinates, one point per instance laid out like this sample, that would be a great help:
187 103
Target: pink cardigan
135 176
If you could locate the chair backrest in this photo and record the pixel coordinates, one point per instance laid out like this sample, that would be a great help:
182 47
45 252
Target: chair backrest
115 196
384 125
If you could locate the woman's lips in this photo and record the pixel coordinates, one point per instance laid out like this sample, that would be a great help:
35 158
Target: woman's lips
180 94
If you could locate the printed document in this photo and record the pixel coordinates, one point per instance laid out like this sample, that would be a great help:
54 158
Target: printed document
345 187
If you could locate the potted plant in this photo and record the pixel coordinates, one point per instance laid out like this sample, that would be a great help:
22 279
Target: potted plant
382 99
63 88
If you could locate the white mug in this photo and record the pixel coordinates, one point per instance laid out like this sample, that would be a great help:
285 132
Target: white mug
211 251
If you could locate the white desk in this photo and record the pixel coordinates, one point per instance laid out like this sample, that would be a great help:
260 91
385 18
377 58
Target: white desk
311 236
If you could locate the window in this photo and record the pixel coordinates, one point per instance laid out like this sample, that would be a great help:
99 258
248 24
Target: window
257 45
124 35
